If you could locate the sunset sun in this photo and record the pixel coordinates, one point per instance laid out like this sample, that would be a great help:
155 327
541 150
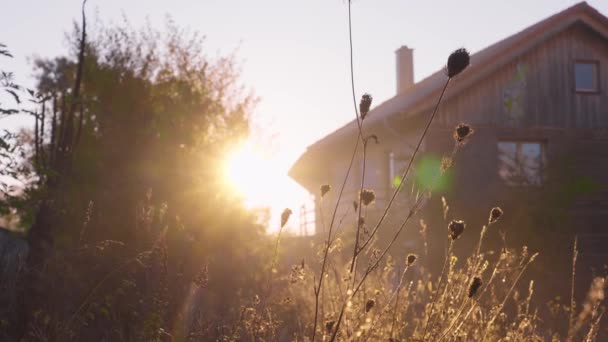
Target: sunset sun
253 174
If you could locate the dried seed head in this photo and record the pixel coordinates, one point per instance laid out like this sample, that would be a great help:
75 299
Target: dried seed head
367 196
455 228
329 325
325 189
457 62
285 216
462 131
495 214
411 259
369 305
475 285
373 137
364 105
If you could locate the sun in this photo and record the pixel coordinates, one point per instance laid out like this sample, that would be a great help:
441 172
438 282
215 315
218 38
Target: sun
253 175
258 175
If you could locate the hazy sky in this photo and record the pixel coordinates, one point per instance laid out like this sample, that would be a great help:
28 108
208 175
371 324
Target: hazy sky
294 54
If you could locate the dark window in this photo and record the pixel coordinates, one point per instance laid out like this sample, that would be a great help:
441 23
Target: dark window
521 163
586 76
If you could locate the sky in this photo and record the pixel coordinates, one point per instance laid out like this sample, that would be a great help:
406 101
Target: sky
293 55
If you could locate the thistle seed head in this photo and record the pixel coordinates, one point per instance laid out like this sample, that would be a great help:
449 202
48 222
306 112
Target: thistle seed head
411 259
475 285
457 62
285 216
369 305
367 196
462 131
373 137
456 228
361 221
364 105
495 214
325 189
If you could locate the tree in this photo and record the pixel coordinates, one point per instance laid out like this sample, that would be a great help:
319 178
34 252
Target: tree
131 212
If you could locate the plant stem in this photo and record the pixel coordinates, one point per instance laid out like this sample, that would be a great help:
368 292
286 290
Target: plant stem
572 302
407 169
437 294
507 296
329 240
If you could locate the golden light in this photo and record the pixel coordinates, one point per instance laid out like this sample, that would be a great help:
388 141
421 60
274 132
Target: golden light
260 178
253 175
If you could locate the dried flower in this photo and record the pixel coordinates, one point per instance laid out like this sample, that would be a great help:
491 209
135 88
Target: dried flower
285 216
373 137
495 214
325 189
366 102
369 305
457 62
475 285
411 259
367 196
455 228
462 131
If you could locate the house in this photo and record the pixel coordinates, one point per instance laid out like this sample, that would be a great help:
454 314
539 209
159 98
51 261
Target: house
538 103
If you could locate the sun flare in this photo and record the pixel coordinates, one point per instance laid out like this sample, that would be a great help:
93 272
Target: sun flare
260 178
253 175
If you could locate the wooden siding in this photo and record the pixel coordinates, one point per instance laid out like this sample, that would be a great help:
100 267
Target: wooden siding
543 81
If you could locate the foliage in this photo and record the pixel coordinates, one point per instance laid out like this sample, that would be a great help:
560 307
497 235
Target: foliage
134 237
132 230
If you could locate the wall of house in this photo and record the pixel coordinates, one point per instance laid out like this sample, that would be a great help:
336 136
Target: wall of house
533 99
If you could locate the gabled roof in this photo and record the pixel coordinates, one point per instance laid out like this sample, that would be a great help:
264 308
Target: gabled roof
483 63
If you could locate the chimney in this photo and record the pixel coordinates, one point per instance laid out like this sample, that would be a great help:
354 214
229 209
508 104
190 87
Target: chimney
405 69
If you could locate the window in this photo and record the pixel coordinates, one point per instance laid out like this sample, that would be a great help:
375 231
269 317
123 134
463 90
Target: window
396 166
586 77
521 163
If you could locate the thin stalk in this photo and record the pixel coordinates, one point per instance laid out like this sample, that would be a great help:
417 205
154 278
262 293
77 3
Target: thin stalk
328 245
445 263
359 225
373 267
460 311
394 295
272 266
572 302
507 296
370 269
494 273
407 169
394 320
359 138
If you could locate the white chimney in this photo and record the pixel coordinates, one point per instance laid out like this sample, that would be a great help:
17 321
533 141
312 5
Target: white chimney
405 68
